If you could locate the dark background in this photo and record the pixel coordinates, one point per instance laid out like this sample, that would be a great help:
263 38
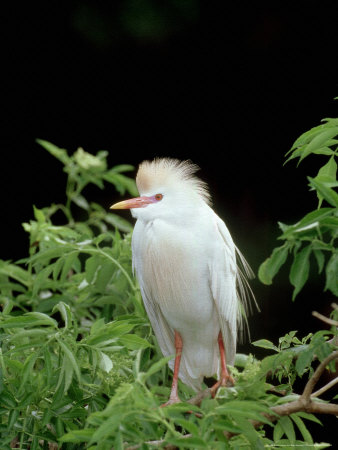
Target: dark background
230 87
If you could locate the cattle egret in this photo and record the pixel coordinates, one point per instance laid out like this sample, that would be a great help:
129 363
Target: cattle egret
185 262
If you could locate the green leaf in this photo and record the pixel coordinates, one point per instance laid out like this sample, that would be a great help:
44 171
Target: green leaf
16 272
68 371
327 175
118 222
80 201
105 362
43 318
109 333
187 425
271 265
107 428
27 370
302 428
104 277
69 262
87 161
306 137
304 360
157 366
8 399
77 436
122 168
134 342
72 359
287 426
121 183
65 312
319 141
46 255
48 365
92 265
326 192
244 409
264 343
187 442
118 443
324 151
57 267
39 215
250 433
328 172
59 153
30 319
332 274
300 270
12 418
309 416
310 220
42 280
97 326
320 259
277 432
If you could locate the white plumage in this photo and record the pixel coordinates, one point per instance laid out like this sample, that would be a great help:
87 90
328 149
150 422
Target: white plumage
185 262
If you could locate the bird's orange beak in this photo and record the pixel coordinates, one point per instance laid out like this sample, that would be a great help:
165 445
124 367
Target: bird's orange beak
138 202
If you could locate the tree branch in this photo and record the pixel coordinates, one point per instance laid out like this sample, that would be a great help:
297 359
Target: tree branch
317 374
325 319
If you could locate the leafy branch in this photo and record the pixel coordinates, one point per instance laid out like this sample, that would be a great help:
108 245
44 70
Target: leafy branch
316 233
304 403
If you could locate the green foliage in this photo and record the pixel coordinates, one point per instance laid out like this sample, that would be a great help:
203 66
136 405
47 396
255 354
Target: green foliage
79 365
315 235
68 310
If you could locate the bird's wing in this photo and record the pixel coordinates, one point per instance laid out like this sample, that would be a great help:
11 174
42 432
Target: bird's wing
165 337
163 332
223 276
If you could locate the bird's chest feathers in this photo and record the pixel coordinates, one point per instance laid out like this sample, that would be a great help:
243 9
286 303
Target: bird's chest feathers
172 268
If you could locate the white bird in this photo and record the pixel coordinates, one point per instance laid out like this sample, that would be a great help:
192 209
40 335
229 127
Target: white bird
185 262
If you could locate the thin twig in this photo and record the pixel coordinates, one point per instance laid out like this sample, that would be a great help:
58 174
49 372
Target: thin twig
325 319
197 400
334 305
317 374
158 443
325 388
282 392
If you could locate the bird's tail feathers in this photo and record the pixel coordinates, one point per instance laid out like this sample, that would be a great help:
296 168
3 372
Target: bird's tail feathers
246 297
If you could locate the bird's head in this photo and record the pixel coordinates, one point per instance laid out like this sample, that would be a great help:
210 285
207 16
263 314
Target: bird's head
167 187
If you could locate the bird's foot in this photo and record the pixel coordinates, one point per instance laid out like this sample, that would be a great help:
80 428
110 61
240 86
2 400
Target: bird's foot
172 400
225 381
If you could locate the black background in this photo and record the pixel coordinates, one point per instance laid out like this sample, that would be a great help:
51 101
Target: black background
229 87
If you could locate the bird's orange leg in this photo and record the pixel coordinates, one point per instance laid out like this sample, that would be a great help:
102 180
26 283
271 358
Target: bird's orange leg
174 398
226 378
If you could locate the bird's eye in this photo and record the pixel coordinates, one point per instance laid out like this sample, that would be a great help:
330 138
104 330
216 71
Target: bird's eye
158 197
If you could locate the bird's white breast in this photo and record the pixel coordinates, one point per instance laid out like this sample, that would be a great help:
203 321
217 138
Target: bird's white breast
171 266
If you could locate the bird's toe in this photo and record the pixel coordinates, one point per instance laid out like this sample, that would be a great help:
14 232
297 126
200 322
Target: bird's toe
171 401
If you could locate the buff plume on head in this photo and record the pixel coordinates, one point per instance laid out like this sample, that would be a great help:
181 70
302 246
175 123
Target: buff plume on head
168 171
